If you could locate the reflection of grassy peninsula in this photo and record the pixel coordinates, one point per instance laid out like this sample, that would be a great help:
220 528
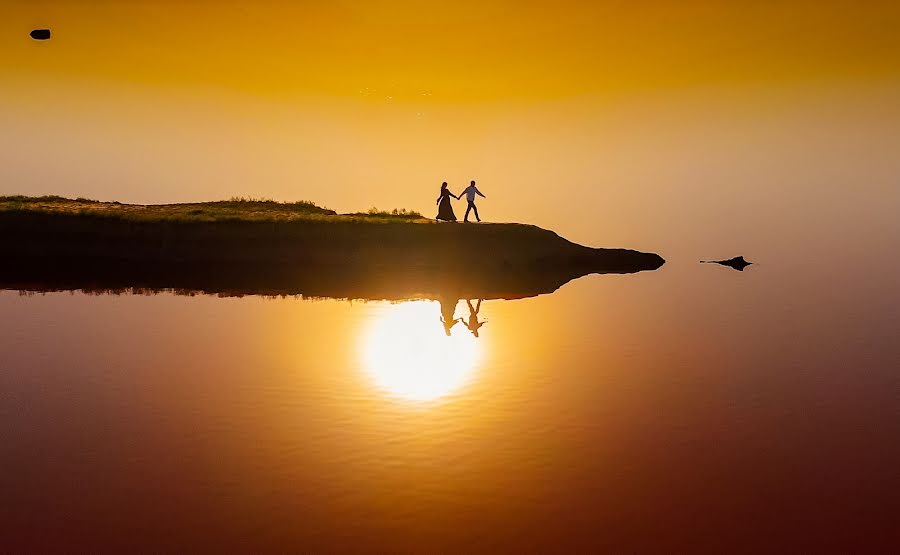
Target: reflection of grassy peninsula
265 246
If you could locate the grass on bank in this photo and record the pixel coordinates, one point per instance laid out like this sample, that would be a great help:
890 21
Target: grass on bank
235 209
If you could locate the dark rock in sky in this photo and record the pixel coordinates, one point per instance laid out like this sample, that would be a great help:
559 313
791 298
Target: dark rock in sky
738 263
40 34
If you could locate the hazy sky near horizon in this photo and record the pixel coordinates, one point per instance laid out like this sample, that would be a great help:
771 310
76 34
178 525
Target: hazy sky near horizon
587 117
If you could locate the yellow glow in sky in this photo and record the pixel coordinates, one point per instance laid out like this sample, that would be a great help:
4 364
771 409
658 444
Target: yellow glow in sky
426 52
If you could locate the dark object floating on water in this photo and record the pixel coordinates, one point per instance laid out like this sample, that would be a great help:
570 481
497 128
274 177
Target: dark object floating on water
40 34
738 263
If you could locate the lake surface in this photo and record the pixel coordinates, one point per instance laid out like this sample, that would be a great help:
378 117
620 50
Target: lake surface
689 408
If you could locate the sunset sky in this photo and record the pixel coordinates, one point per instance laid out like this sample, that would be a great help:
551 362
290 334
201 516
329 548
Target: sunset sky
560 110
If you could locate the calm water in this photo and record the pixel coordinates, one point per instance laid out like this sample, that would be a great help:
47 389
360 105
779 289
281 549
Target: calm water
693 407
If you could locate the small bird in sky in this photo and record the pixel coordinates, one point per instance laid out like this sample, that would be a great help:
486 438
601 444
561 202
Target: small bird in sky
40 34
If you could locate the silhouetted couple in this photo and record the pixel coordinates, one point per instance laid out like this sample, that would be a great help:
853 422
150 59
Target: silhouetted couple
445 209
449 319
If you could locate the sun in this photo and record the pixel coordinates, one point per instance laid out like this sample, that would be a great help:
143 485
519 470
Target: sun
407 353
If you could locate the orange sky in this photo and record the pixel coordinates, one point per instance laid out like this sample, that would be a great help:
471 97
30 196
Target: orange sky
418 51
581 116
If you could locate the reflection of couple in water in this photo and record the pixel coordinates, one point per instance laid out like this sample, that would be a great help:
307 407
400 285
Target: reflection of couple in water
449 319
445 208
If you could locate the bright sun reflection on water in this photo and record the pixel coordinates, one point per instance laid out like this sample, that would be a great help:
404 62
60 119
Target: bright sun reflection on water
407 353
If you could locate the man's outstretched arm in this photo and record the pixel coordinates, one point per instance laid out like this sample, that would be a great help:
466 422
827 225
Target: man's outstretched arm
480 193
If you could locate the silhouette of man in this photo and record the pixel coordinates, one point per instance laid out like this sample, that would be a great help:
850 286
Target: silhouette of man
473 324
470 193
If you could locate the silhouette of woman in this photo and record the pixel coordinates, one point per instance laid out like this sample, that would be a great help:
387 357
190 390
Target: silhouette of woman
448 314
445 209
473 323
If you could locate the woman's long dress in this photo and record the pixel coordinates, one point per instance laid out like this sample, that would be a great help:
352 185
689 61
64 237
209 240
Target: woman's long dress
445 209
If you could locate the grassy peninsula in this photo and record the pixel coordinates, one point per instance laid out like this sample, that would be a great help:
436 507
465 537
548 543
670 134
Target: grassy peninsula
236 209
261 246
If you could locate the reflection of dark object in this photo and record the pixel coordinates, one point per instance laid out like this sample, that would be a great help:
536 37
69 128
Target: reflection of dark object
40 34
344 260
738 263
